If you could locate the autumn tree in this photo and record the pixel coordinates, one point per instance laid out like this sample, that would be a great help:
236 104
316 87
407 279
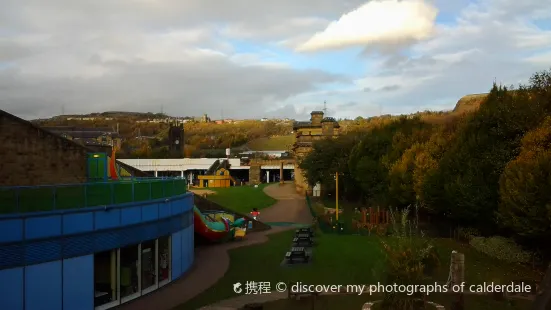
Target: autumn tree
327 157
525 186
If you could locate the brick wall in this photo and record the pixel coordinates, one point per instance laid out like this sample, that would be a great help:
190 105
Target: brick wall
301 184
32 156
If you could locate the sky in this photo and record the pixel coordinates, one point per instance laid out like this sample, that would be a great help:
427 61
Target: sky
252 59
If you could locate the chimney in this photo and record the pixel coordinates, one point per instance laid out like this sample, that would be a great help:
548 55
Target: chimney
316 117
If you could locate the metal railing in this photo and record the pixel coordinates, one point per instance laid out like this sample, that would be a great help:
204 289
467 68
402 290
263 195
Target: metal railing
25 199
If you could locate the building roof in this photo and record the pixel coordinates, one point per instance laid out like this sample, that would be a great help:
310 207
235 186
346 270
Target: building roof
297 125
74 128
316 113
85 133
3 113
262 152
328 119
331 120
178 164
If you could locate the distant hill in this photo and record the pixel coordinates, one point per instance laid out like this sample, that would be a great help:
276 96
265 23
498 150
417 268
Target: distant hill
469 103
274 143
113 115
243 135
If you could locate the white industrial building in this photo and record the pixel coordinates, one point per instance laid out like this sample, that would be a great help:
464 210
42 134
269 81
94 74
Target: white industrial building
190 168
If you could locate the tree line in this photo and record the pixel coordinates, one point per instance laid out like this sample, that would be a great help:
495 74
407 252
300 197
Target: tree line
488 169
150 140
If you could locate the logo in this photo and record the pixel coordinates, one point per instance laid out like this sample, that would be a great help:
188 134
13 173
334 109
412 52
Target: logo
237 288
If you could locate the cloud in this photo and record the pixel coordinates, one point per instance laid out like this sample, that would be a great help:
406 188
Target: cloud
207 85
488 40
139 55
379 23
197 56
390 88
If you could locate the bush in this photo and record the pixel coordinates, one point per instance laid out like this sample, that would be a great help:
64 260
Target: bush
410 258
501 248
467 233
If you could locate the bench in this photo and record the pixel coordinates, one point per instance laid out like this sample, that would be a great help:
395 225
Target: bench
298 295
302 241
304 231
303 236
297 253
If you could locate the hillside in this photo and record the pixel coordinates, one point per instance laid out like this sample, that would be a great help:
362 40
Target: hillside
487 173
469 103
211 138
274 143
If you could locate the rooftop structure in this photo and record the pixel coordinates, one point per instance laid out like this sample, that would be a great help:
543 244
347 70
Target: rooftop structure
306 132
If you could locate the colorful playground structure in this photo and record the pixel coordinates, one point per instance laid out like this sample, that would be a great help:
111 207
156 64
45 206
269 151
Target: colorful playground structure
215 226
218 175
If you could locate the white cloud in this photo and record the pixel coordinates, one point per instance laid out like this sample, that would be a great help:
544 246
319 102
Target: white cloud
194 56
377 22
138 55
491 40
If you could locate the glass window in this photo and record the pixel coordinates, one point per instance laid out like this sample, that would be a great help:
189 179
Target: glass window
149 254
164 259
129 271
105 278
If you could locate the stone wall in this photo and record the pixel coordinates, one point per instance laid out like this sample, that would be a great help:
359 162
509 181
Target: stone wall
254 174
30 155
300 182
255 170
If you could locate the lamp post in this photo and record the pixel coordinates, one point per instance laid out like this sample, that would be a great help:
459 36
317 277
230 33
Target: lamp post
337 196
339 225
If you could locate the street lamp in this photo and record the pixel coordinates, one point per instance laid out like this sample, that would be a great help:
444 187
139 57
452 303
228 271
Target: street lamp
339 225
337 196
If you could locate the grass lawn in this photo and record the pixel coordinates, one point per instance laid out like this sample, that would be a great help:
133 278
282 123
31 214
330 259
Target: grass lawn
279 143
242 199
346 212
342 259
330 202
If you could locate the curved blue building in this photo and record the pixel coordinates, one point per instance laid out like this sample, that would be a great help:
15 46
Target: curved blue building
92 245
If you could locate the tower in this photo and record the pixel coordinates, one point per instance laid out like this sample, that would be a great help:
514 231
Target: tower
176 140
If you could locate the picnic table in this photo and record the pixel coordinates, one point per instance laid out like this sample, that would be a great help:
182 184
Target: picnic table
302 231
297 253
303 240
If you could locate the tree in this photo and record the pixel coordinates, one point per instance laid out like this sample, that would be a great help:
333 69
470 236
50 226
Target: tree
525 184
327 157
374 157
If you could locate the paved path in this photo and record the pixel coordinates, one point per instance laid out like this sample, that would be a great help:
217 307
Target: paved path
290 206
212 262
238 302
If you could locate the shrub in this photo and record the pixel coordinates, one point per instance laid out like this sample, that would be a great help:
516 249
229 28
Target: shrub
501 248
467 233
410 258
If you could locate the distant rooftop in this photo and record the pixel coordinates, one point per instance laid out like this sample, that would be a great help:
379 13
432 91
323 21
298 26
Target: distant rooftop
328 120
82 133
73 128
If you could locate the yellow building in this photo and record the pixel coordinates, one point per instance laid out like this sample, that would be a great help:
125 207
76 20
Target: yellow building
221 178
305 134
